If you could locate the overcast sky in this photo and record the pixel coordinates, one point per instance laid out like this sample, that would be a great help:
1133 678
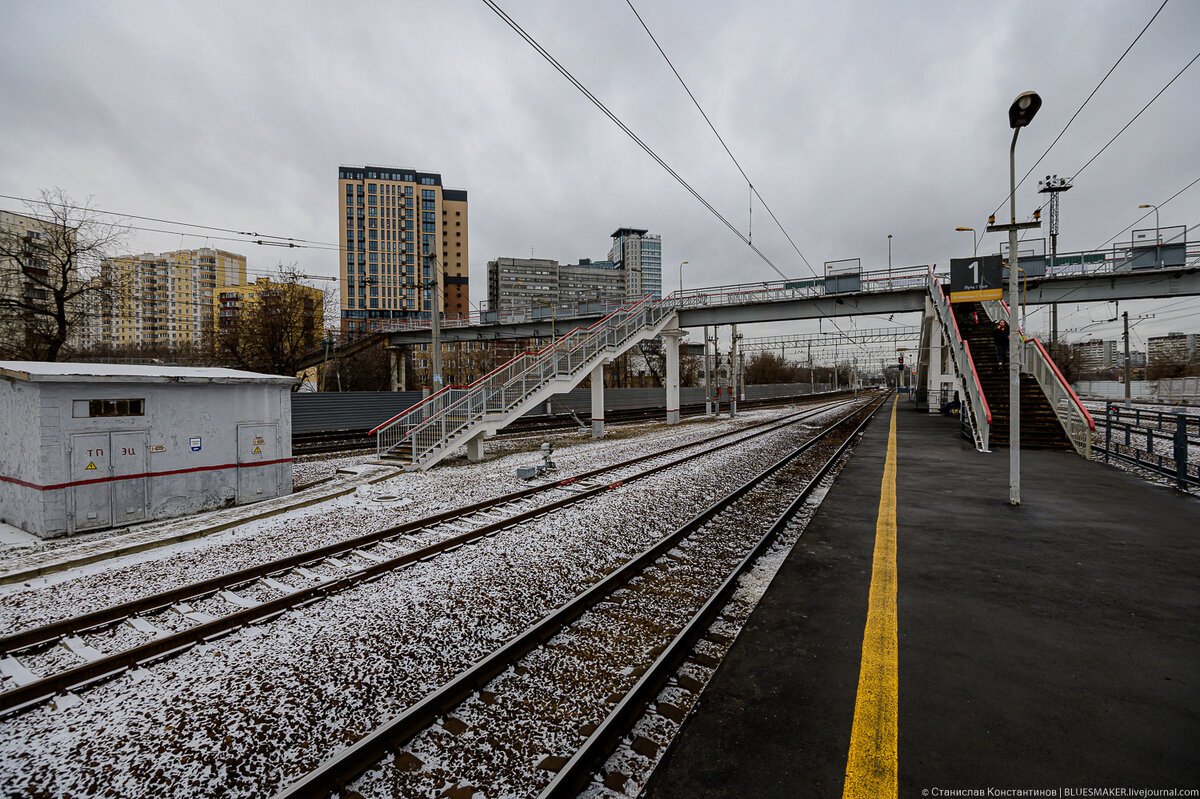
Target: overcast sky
854 120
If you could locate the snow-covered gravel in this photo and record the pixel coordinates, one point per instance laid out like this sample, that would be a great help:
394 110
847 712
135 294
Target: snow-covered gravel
503 741
420 494
245 714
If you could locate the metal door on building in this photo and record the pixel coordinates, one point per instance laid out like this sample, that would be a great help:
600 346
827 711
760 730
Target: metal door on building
100 500
130 460
90 470
258 443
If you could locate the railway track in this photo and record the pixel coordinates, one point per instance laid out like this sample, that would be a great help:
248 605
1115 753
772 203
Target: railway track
324 442
41 663
539 716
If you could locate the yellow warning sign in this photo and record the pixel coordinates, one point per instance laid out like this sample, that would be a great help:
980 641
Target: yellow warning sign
90 466
256 449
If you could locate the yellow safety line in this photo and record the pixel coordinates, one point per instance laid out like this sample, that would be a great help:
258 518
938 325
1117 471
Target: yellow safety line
872 764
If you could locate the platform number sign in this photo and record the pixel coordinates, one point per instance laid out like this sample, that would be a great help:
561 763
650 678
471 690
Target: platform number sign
976 279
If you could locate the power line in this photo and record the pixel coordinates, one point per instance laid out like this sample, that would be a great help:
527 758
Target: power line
1119 132
1084 105
1143 216
718 135
617 121
173 222
1135 116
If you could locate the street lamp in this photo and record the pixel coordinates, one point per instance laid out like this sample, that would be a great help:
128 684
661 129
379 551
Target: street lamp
974 239
1157 235
681 277
1020 114
889 255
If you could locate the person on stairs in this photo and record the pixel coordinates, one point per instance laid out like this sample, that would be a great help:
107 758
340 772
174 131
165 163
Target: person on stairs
1000 336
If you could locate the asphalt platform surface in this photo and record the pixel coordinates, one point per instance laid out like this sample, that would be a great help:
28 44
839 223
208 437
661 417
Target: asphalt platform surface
1054 645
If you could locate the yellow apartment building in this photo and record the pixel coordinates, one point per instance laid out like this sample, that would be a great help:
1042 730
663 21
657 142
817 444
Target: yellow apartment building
300 308
168 299
401 233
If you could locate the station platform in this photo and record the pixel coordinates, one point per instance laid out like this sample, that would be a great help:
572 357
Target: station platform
1050 646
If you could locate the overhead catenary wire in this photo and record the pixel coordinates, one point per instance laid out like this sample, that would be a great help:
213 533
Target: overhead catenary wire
516 27
1148 213
1135 116
754 191
1124 128
297 241
1083 105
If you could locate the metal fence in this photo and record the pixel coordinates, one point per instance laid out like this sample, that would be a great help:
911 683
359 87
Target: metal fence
1154 440
362 410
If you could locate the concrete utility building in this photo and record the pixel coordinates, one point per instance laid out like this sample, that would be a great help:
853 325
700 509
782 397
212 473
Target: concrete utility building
89 446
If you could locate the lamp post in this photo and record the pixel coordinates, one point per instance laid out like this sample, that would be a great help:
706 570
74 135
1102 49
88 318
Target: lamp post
889 255
1020 114
974 240
681 277
1157 235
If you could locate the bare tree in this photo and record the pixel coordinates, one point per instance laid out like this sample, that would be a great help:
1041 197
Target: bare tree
51 288
271 324
767 367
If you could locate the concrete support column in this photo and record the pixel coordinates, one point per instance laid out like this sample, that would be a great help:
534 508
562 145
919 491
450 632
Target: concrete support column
396 364
598 402
671 345
475 448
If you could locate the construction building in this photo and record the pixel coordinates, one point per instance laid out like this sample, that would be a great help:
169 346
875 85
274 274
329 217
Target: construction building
168 299
401 235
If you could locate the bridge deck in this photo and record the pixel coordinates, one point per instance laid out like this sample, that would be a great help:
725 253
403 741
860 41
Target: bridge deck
1052 645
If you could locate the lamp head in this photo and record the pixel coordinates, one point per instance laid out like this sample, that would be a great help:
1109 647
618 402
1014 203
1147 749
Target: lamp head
1022 111
965 228
1145 205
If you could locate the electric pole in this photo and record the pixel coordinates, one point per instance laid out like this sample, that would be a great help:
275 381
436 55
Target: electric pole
1054 186
1128 392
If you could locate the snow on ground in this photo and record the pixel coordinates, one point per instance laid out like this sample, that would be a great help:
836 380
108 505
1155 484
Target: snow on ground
454 485
1162 440
243 715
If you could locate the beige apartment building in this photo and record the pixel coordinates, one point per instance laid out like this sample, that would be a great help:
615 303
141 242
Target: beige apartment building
168 299
401 233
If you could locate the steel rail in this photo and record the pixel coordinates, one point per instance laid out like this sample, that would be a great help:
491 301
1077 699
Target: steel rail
156 602
336 772
577 772
33 693
312 443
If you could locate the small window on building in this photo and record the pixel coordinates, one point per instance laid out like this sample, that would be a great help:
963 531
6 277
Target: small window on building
97 407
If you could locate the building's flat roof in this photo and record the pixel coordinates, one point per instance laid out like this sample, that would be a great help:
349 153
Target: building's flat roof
47 371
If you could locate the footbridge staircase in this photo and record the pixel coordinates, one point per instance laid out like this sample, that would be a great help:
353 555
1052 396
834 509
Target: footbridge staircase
424 434
1052 416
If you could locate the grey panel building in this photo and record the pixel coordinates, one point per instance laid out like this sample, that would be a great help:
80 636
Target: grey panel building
90 446
519 284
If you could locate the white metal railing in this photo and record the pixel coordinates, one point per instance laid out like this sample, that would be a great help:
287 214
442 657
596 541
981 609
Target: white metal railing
1034 360
432 423
1075 419
978 412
